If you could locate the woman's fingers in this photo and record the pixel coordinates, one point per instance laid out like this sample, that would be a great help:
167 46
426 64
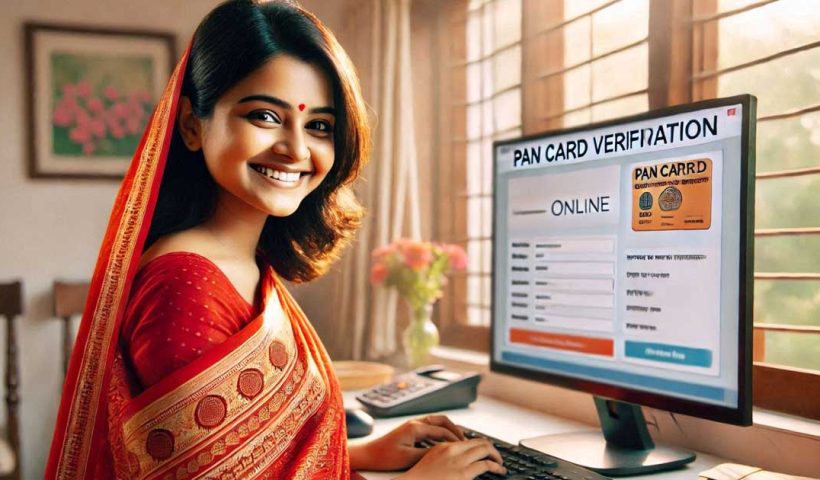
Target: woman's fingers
482 450
472 457
415 454
444 421
472 450
477 468
426 431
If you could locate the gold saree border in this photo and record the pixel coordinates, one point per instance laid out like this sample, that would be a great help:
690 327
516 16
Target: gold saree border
74 453
254 431
241 357
268 442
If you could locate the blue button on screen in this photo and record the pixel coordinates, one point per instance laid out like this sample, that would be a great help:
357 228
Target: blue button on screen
659 352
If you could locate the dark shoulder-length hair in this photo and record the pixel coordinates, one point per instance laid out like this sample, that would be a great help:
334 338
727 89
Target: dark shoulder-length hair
232 41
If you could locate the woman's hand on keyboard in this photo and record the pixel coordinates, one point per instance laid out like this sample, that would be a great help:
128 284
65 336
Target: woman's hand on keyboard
462 460
397 450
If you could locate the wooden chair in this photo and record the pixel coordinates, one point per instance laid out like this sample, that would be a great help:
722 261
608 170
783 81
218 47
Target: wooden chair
69 301
11 306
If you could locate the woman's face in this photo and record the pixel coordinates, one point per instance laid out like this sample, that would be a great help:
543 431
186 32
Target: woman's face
269 142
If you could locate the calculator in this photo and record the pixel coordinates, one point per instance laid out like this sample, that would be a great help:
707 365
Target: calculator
427 389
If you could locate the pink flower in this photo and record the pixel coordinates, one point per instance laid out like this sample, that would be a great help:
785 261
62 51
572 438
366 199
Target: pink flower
416 255
132 125
88 148
111 93
96 105
378 273
83 89
117 131
97 127
69 90
71 101
381 252
62 115
110 119
416 269
120 110
456 256
79 134
404 245
113 121
83 118
135 109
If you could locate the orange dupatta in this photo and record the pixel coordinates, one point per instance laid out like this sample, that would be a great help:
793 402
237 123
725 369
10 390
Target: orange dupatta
264 404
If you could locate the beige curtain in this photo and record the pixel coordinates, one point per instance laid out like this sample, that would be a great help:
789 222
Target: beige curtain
389 188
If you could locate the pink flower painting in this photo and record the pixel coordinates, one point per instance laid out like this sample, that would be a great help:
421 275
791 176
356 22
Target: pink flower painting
100 105
90 94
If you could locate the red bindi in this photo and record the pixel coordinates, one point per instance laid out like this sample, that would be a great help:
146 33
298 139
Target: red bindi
301 106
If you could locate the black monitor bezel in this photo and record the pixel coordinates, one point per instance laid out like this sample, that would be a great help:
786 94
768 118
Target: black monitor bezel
742 415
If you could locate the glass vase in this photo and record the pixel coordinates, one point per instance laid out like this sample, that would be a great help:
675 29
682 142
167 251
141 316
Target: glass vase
420 336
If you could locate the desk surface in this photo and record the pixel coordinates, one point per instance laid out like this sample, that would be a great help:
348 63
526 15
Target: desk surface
512 423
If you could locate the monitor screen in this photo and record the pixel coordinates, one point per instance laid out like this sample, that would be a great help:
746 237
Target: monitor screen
622 258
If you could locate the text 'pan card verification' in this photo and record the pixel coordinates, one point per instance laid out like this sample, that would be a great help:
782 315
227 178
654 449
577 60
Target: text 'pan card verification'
672 195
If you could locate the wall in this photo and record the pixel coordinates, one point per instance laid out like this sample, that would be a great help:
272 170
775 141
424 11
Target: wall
51 229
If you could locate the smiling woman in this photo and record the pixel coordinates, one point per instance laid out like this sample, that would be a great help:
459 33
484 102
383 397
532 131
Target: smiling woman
254 131
239 108
193 360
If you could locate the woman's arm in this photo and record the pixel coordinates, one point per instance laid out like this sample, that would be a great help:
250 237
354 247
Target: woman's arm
449 460
361 457
397 450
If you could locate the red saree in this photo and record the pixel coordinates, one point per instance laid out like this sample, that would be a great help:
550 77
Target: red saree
263 404
181 306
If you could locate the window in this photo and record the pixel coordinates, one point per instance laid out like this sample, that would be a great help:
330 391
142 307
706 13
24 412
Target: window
586 61
605 65
487 64
772 50
493 109
485 104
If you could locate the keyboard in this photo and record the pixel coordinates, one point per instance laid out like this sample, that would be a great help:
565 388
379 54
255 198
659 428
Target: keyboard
526 464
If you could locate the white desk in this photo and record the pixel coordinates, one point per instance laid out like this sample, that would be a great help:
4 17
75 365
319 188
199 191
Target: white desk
511 423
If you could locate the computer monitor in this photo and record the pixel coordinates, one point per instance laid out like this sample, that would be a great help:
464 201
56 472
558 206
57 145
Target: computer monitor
622 267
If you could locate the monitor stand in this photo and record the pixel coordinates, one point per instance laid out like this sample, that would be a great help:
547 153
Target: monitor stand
624 449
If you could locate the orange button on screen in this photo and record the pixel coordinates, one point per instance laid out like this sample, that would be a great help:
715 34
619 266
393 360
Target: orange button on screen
574 343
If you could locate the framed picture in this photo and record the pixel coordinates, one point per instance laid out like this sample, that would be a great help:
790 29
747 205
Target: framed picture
90 94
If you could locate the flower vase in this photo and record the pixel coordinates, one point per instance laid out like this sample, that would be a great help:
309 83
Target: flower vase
420 336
